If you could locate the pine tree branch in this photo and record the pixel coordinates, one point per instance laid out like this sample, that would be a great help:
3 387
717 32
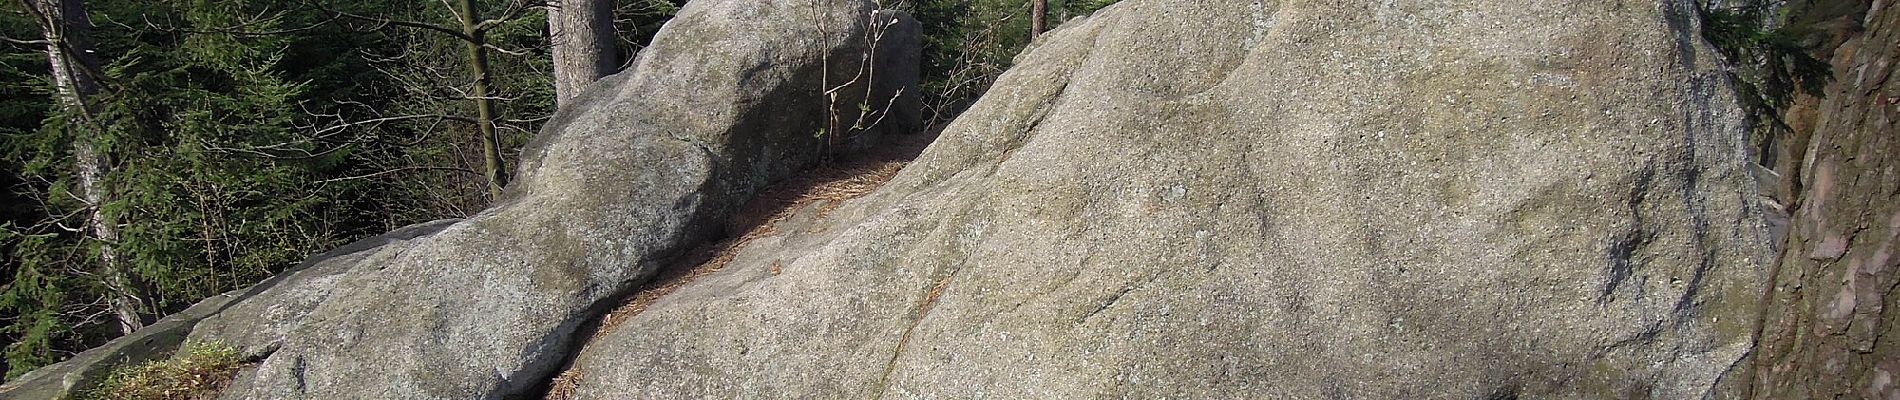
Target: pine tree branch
241 29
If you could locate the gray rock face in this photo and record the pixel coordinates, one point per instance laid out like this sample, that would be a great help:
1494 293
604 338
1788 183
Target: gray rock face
729 98
1262 199
258 321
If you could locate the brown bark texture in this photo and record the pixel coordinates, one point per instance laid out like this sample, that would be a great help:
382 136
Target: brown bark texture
582 32
1828 324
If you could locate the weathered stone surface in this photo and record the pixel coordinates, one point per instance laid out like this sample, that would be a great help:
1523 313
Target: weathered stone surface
258 323
1270 199
1829 327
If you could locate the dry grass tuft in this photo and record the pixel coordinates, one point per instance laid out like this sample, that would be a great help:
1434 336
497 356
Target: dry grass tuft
198 371
565 385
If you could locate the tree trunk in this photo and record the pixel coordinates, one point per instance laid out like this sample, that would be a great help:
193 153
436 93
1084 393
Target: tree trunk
477 41
1038 17
66 28
582 32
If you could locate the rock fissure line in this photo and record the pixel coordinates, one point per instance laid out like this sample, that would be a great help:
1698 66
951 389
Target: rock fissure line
1117 297
589 325
1065 281
1735 367
1622 254
1105 304
903 341
1647 335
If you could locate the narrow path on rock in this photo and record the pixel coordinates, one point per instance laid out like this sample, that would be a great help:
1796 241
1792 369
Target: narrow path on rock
829 185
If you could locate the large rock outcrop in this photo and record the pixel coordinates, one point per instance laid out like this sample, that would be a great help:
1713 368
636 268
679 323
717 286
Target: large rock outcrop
1270 199
1830 324
646 164
730 97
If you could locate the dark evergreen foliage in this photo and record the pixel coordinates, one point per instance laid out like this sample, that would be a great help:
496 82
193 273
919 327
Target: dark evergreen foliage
1775 54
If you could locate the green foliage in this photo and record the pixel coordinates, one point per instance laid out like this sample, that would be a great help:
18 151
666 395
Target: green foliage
1775 62
38 291
227 218
36 284
194 218
196 371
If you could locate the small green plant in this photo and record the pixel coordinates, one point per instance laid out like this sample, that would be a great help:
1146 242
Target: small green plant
197 371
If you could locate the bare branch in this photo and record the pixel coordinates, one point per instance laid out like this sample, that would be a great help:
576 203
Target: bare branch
24 42
515 10
381 22
401 170
499 49
529 120
454 13
379 121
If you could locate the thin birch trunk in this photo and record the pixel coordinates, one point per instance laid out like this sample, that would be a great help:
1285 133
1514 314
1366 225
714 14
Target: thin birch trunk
66 28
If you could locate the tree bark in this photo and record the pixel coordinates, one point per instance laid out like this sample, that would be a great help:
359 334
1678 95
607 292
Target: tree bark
1038 17
477 41
582 32
66 28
